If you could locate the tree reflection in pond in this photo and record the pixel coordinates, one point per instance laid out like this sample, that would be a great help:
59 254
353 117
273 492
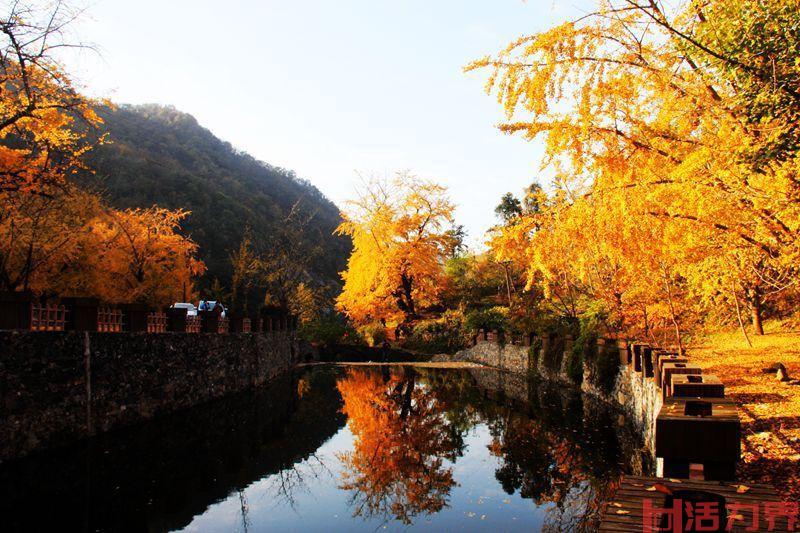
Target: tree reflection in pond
409 428
402 438
549 469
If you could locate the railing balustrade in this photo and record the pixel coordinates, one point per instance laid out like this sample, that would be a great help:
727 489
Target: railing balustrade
48 317
109 320
21 311
157 322
193 324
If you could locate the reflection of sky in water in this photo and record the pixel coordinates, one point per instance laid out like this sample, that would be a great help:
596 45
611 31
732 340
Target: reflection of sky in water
476 503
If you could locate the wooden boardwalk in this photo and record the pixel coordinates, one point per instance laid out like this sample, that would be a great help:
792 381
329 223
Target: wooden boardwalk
625 511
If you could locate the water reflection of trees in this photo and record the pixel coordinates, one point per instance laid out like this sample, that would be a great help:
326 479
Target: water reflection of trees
553 448
402 435
550 470
560 452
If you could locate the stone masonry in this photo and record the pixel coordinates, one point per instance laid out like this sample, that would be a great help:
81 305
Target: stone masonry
58 387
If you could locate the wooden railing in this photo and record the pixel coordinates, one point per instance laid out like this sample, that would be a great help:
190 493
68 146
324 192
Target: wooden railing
48 317
24 312
193 324
109 320
157 322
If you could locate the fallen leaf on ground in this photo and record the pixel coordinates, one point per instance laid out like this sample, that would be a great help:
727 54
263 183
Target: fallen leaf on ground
658 487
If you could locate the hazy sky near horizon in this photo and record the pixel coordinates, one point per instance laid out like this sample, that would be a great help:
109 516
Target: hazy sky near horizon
331 89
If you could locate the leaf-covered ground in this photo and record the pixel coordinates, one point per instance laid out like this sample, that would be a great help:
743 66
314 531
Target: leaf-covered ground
769 409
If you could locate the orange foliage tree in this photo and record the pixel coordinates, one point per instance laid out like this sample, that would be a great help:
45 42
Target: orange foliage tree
42 238
56 239
41 142
140 256
401 240
66 242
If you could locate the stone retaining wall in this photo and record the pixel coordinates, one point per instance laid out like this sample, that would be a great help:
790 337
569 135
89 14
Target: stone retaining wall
57 387
511 357
639 398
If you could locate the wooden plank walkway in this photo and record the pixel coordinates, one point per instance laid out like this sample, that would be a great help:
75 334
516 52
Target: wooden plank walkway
624 512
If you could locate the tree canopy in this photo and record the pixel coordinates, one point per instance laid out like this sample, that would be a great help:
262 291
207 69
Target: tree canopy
672 135
401 238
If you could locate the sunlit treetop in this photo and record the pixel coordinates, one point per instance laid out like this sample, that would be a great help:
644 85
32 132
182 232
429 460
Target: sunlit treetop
43 118
673 135
401 234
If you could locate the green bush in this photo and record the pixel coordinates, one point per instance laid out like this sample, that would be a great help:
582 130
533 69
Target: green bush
494 318
328 330
605 368
574 363
603 362
374 333
446 334
533 354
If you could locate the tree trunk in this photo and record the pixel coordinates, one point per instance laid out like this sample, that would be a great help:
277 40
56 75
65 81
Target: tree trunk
672 312
755 311
408 283
508 283
739 316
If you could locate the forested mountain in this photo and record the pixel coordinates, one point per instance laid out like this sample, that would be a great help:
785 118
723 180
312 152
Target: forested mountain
159 155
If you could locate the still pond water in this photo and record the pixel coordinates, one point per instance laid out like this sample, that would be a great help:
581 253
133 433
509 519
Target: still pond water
341 449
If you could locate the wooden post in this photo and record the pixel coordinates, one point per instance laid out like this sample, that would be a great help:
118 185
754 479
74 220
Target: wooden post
176 320
82 313
15 310
135 318
694 386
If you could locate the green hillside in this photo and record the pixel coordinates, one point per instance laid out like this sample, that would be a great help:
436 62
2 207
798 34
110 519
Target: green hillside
158 155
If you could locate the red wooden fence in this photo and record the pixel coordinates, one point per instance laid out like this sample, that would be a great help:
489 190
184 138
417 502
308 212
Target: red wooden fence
109 319
157 322
193 324
48 317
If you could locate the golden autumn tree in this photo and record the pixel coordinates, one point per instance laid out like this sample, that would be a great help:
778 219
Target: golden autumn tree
68 243
402 439
139 255
401 238
42 238
42 115
57 239
658 123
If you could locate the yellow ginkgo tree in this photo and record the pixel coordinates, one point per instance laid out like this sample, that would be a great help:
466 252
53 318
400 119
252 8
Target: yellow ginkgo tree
400 242
672 133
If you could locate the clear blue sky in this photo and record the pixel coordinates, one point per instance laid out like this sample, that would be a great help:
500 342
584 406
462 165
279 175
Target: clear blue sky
331 88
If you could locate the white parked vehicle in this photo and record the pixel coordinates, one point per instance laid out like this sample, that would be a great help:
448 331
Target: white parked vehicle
191 310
